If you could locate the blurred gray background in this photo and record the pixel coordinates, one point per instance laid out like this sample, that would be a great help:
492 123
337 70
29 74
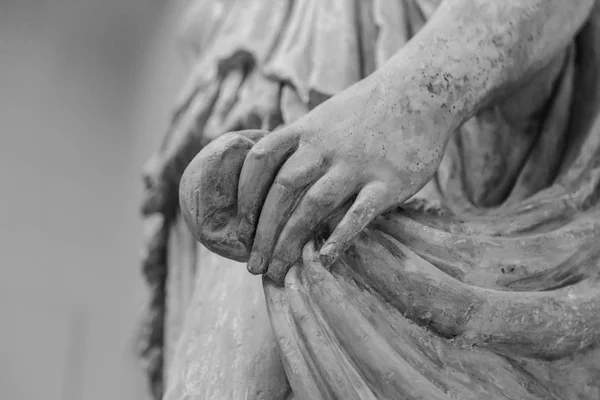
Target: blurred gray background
85 92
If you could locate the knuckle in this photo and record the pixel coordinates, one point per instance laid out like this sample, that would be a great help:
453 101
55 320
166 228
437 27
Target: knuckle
328 199
286 180
240 142
315 203
258 153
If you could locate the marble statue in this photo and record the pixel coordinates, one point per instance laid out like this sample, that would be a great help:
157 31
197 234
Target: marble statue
413 185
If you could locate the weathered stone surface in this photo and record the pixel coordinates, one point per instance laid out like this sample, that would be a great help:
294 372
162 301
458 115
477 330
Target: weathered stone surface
489 116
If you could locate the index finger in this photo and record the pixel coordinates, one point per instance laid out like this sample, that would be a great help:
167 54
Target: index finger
258 173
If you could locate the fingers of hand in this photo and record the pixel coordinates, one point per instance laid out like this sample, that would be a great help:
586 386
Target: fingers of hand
257 174
372 200
320 201
296 175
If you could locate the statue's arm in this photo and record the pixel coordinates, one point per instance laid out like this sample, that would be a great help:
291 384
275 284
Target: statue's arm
473 51
375 144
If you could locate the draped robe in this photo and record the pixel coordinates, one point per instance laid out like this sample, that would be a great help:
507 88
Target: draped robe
483 285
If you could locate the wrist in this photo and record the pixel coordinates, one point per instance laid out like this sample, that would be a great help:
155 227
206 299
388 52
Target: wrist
419 103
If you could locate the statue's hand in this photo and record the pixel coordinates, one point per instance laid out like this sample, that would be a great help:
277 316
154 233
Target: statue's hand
355 150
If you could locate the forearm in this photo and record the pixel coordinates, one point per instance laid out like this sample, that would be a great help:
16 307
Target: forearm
469 53
473 51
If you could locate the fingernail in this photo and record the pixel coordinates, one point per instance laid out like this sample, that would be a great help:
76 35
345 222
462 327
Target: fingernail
275 268
257 264
328 254
277 274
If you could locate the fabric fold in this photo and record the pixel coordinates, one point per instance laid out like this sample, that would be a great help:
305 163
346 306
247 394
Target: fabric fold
503 282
